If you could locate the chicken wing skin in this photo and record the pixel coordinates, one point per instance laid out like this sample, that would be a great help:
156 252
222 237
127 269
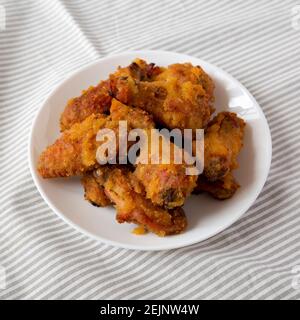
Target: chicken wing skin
138 70
136 118
97 99
221 189
166 182
122 189
94 100
166 185
222 144
74 153
179 96
93 191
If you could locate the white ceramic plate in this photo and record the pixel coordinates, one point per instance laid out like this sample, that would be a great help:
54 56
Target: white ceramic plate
206 216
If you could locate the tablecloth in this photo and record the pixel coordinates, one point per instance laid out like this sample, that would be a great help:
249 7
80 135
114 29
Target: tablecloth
42 42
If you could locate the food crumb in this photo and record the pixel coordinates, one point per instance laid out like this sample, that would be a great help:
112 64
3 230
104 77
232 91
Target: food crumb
139 230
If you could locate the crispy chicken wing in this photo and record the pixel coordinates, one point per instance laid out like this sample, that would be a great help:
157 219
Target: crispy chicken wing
124 190
179 96
98 99
93 100
166 182
222 144
74 153
166 185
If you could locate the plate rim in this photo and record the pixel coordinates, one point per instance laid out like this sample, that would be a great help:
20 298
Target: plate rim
118 244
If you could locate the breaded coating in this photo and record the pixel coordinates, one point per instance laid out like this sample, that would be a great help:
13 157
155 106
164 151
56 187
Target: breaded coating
97 99
93 191
94 100
187 73
138 70
166 185
135 117
123 83
222 144
166 182
74 153
132 207
221 189
179 96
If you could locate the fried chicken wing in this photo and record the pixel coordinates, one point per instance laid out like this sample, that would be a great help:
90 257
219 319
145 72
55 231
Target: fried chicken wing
97 99
93 191
179 96
74 153
166 185
186 72
221 189
222 144
94 100
122 189
166 182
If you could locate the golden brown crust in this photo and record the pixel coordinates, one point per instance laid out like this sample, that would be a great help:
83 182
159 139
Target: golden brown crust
135 117
94 100
223 142
138 70
179 96
132 207
166 185
166 182
184 73
97 99
74 153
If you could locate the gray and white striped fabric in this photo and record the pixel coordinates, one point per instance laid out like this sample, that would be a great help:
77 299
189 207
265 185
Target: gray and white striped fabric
42 42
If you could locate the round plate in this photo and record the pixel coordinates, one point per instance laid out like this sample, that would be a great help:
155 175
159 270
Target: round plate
206 216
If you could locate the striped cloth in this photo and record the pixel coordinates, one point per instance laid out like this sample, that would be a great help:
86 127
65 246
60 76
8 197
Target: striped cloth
42 42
